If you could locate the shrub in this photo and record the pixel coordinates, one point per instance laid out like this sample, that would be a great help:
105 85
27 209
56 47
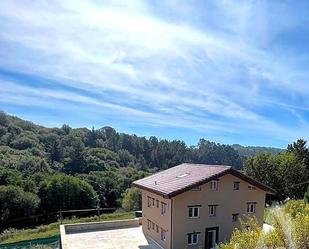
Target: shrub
63 192
16 203
291 230
132 200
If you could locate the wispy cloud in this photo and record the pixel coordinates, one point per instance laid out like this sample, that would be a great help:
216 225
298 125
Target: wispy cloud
204 66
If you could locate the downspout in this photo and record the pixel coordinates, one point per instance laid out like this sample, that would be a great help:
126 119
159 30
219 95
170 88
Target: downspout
171 242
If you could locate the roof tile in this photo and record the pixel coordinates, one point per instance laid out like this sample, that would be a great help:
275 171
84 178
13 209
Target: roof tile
179 177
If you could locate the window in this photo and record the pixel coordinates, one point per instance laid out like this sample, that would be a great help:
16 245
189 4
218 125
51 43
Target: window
148 224
157 228
236 185
194 211
212 210
250 187
149 201
193 238
157 203
163 208
214 185
163 234
235 217
251 207
153 225
198 188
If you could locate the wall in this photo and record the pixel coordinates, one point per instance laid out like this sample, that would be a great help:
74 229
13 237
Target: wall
154 214
229 201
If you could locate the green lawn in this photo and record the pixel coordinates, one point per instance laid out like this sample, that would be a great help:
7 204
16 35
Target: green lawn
53 228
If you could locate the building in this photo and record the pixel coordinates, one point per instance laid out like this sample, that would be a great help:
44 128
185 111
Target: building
197 205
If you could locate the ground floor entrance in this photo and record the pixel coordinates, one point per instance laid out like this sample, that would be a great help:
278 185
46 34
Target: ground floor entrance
211 237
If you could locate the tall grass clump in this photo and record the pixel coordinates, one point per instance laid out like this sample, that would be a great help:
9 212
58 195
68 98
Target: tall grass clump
290 230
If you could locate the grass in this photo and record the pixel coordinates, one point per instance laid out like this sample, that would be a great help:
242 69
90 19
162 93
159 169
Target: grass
52 229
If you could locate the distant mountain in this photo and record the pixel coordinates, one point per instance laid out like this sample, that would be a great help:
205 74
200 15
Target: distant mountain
250 151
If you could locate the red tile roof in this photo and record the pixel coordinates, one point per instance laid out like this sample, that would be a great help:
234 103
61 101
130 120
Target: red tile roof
183 177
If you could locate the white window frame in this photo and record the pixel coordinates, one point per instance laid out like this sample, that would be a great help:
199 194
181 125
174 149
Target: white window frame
163 208
163 234
193 209
193 237
212 212
251 207
214 185
236 185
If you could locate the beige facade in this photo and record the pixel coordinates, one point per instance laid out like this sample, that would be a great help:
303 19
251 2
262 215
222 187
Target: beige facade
157 219
217 210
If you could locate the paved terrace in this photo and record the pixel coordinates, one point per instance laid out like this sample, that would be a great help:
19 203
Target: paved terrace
126 234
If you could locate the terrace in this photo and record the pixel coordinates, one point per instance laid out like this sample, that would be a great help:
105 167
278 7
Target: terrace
122 234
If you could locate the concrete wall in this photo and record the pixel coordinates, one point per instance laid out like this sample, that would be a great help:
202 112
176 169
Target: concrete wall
100 226
154 215
229 201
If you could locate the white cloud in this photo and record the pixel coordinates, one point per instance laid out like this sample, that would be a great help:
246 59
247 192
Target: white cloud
209 76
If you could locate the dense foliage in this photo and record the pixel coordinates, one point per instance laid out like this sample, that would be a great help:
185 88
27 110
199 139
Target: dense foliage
66 168
132 199
291 230
63 192
15 202
287 172
250 151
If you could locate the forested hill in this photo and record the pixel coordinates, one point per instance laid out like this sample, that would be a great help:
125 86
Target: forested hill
81 150
250 151
43 170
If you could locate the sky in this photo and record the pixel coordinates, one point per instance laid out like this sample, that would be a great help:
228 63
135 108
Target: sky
227 71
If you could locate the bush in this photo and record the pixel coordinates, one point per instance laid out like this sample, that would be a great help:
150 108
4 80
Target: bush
132 200
63 192
291 230
16 203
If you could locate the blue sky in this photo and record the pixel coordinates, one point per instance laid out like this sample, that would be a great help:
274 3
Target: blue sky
228 71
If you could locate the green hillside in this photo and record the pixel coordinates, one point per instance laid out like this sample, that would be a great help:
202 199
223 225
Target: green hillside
44 170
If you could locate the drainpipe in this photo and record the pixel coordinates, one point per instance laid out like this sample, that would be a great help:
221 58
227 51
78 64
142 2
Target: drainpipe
172 237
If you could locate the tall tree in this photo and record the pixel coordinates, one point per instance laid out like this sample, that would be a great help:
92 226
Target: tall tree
62 192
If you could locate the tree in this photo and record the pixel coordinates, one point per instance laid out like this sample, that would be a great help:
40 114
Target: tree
125 158
299 148
283 172
16 203
132 200
63 192
214 153
10 176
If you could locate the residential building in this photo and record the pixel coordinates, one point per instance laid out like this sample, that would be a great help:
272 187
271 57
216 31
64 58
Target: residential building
197 205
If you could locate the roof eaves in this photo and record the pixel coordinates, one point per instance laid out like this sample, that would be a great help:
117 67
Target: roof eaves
253 182
150 190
